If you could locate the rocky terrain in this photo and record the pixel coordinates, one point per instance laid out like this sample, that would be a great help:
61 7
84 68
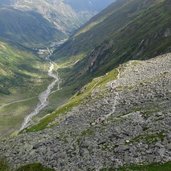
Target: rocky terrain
128 121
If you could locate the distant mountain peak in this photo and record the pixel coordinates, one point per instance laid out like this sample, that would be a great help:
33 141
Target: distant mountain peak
66 15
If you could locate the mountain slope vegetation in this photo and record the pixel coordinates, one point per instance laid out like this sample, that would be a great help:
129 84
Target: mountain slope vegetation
126 30
15 63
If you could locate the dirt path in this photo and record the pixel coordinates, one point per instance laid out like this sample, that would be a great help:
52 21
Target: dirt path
18 101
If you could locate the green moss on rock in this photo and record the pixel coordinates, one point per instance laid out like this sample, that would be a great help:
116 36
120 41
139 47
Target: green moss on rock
34 167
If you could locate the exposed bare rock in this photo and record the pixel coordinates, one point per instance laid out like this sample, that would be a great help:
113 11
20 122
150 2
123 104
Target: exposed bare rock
138 130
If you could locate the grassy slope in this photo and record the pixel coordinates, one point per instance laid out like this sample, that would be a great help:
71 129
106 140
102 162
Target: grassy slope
151 167
30 167
22 76
124 31
100 28
39 167
34 167
4 166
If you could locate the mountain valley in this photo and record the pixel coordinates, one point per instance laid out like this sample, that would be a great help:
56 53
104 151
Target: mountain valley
85 90
18 81
43 21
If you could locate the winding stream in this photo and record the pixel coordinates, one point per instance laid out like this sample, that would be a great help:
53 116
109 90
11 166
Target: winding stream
43 97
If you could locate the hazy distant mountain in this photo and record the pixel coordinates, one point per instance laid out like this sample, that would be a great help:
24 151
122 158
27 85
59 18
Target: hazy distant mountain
29 28
67 15
89 5
33 22
56 11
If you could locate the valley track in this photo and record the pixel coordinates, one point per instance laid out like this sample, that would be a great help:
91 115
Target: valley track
113 87
14 102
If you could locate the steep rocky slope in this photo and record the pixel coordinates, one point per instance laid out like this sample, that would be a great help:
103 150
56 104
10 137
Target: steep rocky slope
123 119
